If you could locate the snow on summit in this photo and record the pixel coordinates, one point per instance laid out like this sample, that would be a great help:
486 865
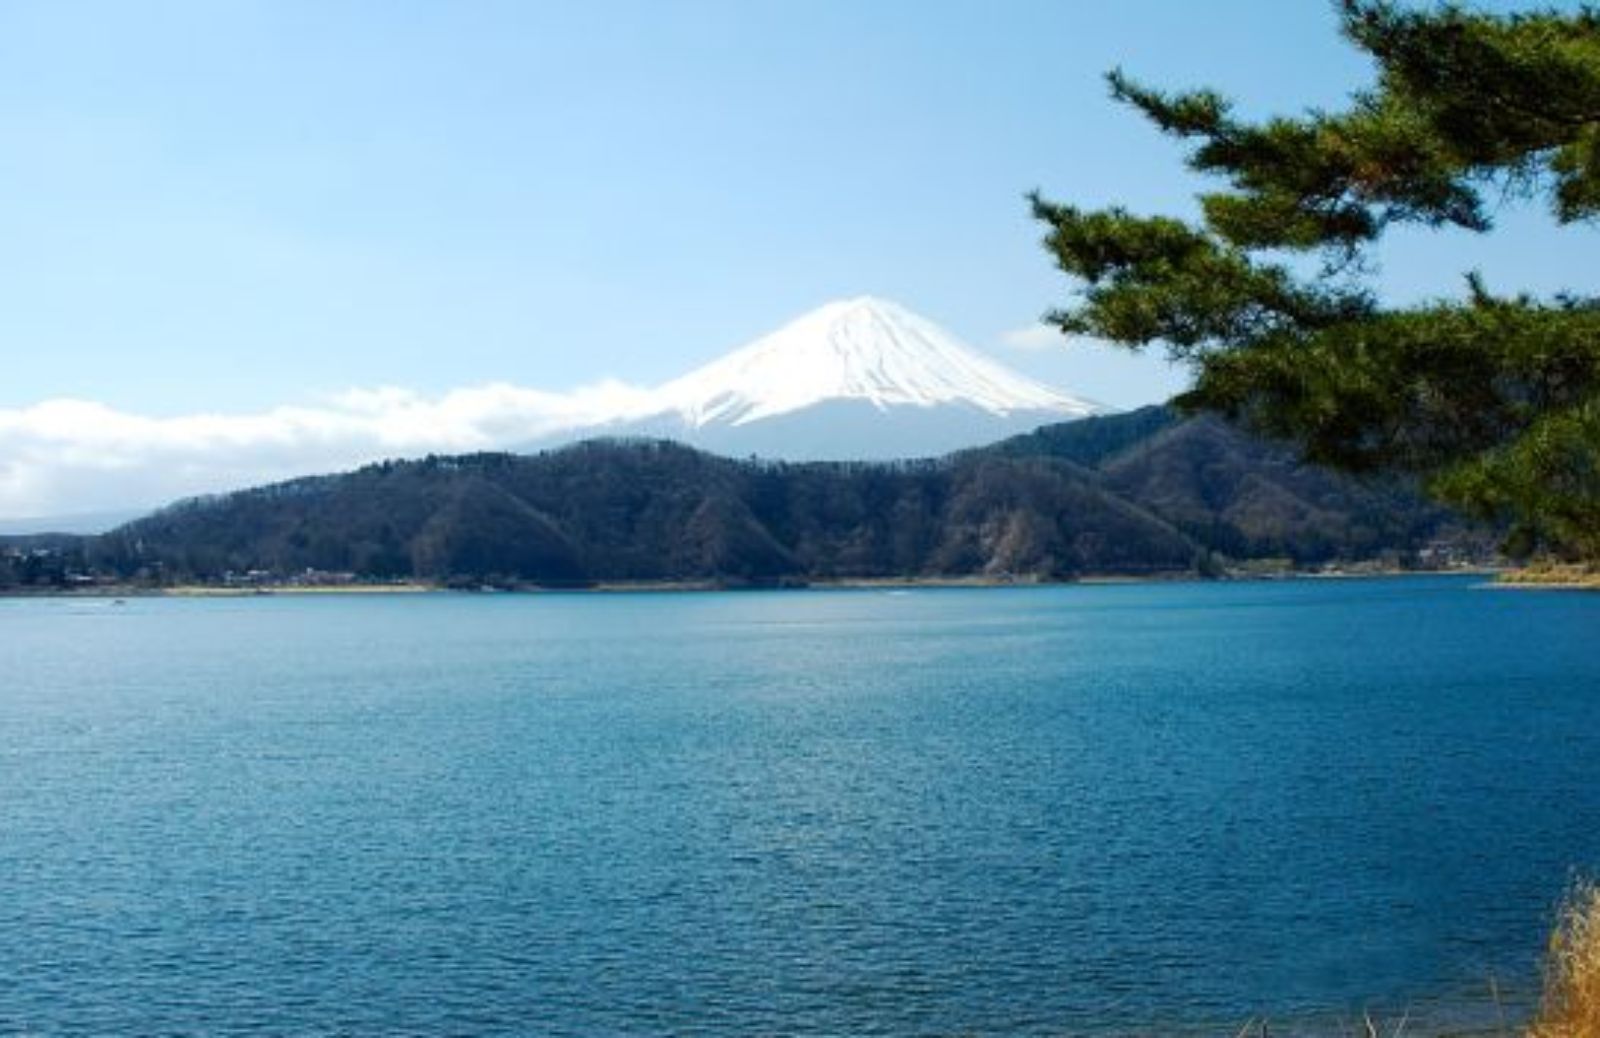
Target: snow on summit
857 379
861 349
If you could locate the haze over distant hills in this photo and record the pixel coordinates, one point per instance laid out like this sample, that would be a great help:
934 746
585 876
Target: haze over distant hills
79 523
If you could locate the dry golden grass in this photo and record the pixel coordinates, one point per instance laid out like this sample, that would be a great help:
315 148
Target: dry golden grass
1570 1006
1553 574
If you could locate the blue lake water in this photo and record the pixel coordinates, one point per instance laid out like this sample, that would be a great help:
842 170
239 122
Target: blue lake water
1031 811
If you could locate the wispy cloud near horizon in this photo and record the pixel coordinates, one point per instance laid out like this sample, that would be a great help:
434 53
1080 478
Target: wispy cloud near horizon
69 456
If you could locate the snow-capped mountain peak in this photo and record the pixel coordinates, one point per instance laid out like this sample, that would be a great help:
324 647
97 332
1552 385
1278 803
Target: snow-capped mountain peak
863 350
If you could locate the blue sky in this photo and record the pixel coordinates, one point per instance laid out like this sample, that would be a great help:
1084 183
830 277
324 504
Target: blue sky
234 206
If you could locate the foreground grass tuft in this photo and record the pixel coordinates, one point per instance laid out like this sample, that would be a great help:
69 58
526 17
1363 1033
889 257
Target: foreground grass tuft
1570 1007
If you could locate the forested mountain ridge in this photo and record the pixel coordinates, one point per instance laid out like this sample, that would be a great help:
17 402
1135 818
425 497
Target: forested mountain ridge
1140 493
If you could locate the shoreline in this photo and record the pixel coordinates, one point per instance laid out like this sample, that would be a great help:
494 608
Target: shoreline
218 591
1501 579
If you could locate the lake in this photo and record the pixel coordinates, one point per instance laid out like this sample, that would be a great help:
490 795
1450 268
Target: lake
1055 810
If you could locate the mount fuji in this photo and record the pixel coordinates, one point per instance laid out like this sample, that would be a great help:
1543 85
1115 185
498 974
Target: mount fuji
856 379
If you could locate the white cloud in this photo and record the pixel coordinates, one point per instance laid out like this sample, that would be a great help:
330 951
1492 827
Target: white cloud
67 456
1033 338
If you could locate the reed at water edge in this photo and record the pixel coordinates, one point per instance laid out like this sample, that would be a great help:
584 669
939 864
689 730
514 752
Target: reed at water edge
1570 1005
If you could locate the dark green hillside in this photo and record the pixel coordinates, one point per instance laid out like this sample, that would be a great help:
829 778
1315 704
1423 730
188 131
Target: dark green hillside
971 515
1249 498
654 511
1141 493
1089 441
41 560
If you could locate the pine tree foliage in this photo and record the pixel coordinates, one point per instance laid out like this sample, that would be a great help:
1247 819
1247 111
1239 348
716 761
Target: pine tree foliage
1495 399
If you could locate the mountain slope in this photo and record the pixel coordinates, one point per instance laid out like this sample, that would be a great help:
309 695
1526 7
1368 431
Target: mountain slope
1141 493
1250 498
651 511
